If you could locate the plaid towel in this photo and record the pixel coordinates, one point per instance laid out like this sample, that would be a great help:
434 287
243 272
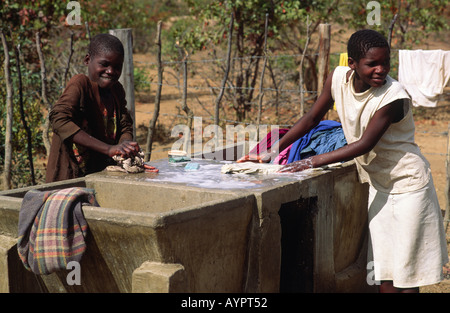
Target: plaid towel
52 228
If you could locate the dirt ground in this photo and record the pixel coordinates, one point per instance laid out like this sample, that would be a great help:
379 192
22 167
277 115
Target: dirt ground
432 137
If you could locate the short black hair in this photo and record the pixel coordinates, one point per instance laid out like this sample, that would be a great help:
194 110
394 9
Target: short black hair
362 40
105 43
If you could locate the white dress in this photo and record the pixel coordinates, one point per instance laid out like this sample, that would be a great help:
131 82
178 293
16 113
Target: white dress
407 238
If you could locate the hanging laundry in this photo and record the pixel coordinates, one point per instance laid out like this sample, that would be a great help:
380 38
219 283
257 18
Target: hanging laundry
333 138
343 59
424 74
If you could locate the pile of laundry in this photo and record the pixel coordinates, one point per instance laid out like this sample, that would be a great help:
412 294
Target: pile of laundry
325 137
134 164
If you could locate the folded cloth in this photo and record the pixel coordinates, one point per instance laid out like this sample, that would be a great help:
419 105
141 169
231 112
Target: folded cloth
52 228
250 168
303 142
424 74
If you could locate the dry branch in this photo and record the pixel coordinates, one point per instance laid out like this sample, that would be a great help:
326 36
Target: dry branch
227 71
391 27
152 125
277 94
300 68
66 72
261 82
45 132
184 55
22 115
9 117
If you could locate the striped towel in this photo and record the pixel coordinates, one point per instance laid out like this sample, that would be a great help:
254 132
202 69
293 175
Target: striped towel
52 228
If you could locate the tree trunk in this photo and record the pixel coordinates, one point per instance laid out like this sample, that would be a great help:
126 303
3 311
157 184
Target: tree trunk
9 117
22 116
152 125
45 132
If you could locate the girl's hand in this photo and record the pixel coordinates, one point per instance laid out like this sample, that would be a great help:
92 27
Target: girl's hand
125 149
150 169
297 166
261 158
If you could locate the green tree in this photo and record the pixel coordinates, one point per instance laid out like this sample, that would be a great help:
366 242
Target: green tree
287 31
210 27
415 21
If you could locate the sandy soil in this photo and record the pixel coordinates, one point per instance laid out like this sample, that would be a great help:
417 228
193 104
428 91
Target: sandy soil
432 137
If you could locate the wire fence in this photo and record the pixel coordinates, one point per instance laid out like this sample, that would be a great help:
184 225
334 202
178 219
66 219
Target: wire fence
281 90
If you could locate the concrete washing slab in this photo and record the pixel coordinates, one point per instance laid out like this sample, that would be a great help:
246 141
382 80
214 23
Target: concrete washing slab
202 231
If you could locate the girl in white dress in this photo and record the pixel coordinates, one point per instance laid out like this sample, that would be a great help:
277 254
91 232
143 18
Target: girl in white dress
407 239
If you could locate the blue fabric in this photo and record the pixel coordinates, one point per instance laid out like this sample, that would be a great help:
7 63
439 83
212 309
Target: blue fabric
323 142
326 136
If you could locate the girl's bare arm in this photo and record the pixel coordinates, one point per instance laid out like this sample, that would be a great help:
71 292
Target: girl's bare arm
380 122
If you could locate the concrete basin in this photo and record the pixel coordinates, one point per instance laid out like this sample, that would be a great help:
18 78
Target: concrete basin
203 231
182 238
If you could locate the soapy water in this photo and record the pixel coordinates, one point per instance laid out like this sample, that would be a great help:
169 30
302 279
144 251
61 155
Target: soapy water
208 175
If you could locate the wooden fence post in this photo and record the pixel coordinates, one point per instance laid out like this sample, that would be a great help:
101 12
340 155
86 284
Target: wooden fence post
127 77
324 55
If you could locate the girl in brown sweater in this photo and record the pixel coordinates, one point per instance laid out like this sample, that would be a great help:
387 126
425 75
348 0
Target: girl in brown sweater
90 120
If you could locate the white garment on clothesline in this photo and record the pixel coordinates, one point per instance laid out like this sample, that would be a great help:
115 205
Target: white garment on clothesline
424 74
